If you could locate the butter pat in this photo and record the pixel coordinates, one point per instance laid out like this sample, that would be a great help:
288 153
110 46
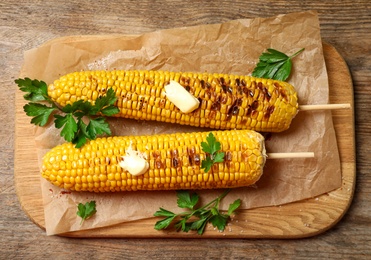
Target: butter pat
180 97
134 163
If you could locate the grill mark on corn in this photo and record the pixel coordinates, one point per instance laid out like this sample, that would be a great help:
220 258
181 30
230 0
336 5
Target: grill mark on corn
225 86
248 111
281 91
175 160
212 114
156 154
162 103
216 105
267 94
243 82
234 108
228 156
191 152
264 90
269 112
159 164
197 159
255 105
254 114
237 82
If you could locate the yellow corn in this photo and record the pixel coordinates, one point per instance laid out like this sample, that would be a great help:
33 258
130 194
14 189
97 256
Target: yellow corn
174 162
226 101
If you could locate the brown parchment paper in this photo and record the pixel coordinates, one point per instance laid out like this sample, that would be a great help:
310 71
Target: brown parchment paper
231 47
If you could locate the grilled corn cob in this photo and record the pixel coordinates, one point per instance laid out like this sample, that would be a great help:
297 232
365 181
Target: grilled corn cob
225 101
174 162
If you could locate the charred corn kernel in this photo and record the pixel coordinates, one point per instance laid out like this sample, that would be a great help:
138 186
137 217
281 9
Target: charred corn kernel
174 162
225 101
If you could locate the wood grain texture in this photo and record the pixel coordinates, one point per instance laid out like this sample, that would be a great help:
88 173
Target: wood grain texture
301 219
346 25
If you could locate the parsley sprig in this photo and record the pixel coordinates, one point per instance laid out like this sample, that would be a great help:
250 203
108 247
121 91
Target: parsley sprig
211 147
274 65
196 218
86 210
73 128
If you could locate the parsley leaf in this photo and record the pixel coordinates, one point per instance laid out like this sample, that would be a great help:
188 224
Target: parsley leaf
219 157
169 217
109 110
81 136
39 112
206 164
73 128
274 65
235 205
187 200
219 220
97 126
68 125
106 100
211 147
196 218
86 210
35 90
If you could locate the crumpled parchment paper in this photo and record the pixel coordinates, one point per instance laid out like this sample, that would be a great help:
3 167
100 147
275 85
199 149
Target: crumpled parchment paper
232 47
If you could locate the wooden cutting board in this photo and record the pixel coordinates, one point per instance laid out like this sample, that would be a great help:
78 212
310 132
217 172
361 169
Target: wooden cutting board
295 220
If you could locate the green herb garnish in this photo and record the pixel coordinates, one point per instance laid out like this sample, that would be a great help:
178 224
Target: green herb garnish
74 128
86 210
274 65
196 219
211 147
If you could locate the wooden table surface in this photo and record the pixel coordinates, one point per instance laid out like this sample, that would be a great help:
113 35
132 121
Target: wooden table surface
346 25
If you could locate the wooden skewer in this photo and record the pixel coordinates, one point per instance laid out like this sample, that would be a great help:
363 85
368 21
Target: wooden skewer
290 155
323 107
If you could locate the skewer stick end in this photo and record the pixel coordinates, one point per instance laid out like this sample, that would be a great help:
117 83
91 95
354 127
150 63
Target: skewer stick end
324 107
290 155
